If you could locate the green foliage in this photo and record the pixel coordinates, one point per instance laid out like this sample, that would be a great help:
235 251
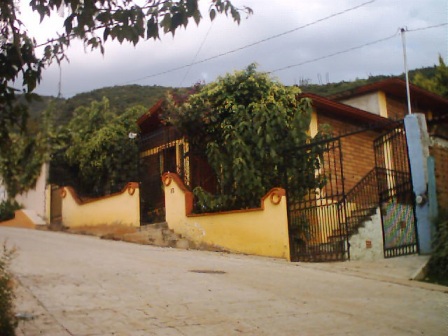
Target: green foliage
329 89
250 127
8 321
438 264
333 88
7 209
93 152
94 22
438 83
207 202
120 97
21 158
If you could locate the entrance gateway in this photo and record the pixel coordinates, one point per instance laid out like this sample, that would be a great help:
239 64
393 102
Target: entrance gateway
396 196
321 222
317 226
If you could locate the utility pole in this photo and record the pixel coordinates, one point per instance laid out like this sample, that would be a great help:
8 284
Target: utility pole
408 94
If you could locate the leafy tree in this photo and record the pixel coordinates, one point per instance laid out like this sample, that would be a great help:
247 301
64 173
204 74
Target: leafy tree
438 83
253 130
21 165
22 154
92 21
93 152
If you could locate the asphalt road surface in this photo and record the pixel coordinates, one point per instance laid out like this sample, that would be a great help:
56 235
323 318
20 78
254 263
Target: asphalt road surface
79 285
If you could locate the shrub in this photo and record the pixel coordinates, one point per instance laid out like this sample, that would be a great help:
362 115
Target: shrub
438 264
7 209
8 322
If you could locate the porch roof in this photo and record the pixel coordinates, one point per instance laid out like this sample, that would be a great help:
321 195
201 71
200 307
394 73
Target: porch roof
150 121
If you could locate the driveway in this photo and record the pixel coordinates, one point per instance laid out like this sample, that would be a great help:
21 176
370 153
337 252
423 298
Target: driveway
79 285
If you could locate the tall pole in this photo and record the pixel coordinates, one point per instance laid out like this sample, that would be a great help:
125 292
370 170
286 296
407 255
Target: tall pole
408 94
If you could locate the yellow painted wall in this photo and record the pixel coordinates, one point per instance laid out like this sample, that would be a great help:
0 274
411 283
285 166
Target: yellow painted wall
314 128
262 231
120 208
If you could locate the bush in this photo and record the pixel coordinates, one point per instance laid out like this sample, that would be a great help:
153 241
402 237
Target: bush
438 264
7 209
8 322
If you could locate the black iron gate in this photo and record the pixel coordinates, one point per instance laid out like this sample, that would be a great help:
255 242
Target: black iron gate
317 227
395 193
55 205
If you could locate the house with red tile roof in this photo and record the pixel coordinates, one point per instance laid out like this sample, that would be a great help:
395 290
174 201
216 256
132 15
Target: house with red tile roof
367 150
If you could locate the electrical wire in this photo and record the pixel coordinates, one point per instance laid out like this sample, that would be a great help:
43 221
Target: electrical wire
335 53
196 55
251 44
428 27
317 58
357 47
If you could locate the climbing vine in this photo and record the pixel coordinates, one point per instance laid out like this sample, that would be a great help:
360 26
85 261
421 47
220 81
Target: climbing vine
251 129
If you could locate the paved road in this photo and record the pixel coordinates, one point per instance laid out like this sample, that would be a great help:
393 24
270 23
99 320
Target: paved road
78 285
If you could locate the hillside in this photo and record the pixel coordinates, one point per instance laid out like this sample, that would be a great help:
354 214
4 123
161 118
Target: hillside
121 97
333 88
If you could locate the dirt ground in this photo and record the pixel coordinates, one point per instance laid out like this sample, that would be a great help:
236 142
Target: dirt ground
82 285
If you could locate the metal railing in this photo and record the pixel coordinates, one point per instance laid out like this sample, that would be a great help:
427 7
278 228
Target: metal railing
361 201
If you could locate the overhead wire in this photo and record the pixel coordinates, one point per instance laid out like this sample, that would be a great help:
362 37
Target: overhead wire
197 53
428 27
311 60
335 53
357 47
252 44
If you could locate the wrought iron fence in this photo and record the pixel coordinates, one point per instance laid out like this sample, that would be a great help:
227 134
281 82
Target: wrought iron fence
395 193
316 220
166 150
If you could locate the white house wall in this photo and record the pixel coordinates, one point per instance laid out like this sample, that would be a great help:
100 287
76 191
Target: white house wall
34 200
3 195
372 102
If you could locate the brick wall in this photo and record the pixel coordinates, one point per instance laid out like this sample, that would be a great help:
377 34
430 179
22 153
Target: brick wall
440 155
357 151
396 110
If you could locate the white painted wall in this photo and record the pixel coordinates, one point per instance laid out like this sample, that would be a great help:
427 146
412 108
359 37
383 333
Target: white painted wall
370 231
371 102
34 200
3 195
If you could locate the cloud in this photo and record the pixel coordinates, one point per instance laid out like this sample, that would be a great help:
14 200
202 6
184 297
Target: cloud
125 64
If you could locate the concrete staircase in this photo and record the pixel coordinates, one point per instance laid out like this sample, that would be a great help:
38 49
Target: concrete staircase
159 234
360 204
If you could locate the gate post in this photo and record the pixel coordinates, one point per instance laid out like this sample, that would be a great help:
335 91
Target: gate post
418 149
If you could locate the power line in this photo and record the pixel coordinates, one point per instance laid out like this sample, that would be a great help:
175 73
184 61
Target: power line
197 53
357 47
314 59
335 53
252 44
428 27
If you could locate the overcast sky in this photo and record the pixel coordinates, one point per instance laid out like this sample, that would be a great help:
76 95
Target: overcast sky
303 50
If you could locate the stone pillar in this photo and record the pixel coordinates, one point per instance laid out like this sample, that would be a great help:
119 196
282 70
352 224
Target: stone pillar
418 147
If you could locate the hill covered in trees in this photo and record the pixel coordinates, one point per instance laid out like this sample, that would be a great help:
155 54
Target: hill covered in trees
123 97
120 98
334 88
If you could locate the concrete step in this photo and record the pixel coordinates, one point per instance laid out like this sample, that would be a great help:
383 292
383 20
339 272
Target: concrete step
159 234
